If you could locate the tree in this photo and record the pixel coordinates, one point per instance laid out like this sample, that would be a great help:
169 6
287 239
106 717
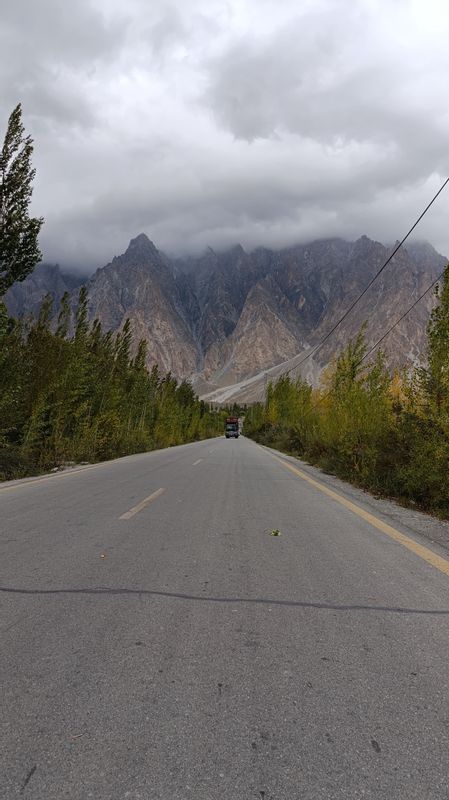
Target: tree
19 249
435 378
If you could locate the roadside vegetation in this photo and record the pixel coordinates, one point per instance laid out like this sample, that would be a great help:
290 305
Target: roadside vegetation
69 391
388 433
84 397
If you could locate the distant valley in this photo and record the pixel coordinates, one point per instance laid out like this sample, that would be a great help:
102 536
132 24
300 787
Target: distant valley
226 319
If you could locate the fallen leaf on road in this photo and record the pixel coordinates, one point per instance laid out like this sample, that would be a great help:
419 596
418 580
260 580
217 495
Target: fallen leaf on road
275 532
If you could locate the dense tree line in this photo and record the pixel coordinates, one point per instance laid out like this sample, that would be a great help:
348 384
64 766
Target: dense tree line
68 390
73 392
388 433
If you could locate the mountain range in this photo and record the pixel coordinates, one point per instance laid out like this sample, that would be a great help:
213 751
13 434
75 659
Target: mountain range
227 320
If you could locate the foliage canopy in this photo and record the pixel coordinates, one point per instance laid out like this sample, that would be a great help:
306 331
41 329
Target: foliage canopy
19 249
386 432
86 397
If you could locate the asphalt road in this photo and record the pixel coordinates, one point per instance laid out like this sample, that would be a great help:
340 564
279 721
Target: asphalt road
157 643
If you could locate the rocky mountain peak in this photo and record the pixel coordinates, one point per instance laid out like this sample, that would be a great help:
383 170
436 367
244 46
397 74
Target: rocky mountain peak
224 317
142 248
425 256
365 246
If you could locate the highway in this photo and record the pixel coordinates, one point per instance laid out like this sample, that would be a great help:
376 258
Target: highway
159 643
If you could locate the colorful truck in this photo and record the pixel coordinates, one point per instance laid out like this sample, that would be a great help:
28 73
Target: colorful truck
232 428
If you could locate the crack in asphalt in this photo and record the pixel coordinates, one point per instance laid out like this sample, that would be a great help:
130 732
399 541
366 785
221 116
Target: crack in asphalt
117 591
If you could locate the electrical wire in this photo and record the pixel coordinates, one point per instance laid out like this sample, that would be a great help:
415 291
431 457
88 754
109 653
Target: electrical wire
384 336
379 341
318 347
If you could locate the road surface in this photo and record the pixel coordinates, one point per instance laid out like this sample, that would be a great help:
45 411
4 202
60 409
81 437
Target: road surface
158 643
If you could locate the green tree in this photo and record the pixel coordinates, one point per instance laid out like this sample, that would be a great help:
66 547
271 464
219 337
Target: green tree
435 378
19 249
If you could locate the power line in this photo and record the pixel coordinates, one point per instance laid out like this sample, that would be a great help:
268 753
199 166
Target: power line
384 336
379 341
362 294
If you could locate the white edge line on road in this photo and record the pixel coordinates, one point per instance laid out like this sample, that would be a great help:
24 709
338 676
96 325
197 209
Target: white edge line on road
198 461
19 483
143 504
31 481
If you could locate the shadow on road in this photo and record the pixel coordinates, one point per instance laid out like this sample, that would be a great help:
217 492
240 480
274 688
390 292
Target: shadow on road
111 591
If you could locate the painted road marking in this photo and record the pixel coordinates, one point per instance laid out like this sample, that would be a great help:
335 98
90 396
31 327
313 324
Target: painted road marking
197 462
55 477
423 552
143 504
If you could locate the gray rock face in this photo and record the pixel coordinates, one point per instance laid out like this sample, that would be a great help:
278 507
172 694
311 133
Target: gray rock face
222 318
26 297
141 285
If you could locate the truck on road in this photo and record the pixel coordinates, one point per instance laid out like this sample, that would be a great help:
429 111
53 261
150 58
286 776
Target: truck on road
232 428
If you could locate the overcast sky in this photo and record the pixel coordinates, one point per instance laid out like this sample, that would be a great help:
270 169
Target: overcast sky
211 122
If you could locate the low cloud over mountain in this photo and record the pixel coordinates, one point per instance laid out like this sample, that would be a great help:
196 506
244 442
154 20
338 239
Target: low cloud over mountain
207 123
226 317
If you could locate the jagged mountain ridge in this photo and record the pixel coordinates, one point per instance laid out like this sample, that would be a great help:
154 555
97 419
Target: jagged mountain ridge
223 318
141 285
26 297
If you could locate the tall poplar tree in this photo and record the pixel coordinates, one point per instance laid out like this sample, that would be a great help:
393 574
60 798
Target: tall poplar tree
19 248
435 378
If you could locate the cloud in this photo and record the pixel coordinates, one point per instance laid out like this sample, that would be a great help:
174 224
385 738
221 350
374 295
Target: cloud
212 123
